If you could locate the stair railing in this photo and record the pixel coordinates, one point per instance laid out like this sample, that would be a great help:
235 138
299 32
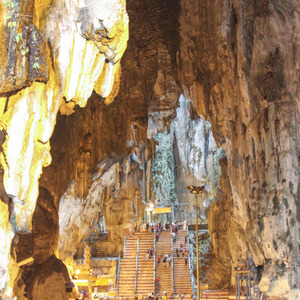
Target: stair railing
154 260
124 247
191 258
172 260
118 274
136 264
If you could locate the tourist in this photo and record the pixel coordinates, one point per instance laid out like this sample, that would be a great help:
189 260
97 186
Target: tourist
158 259
186 260
150 252
164 297
156 236
165 260
174 238
169 259
185 240
156 284
186 252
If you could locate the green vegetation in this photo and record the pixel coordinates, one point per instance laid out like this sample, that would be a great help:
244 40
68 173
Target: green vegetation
217 169
163 169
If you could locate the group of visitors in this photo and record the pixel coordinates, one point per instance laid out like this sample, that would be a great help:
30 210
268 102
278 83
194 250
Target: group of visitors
152 296
159 227
148 254
182 252
166 260
178 226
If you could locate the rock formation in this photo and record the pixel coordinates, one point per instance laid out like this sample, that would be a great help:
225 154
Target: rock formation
197 158
236 61
114 193
54 55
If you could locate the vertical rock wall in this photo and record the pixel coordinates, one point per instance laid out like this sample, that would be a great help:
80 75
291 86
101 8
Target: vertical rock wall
197 158
115 193
238 63
92 134
52 56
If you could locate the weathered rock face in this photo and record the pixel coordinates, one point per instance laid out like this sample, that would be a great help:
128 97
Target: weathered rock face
41 243
238 63
47 280
84 139
222 230
197 158
47 65
72 53
114 193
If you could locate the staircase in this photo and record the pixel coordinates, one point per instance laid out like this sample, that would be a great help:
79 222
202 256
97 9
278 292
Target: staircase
145 274
182 280
127 269
164 272
214 295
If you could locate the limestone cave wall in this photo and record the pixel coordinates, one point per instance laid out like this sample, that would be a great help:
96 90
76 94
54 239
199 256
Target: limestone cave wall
238 63
53 55
197 159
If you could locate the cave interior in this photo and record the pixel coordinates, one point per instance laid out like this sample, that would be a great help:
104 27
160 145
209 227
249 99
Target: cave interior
111 109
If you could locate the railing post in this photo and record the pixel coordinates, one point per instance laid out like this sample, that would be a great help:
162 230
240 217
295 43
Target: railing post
154 256
136 265
172 262
124 248
191 259
118 274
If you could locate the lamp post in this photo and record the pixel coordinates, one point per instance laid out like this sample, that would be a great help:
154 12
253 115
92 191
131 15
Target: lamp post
196 190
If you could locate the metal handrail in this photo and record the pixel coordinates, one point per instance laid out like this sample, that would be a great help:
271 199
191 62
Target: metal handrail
118 274
172 263
136 264
154 260
124 247
191 259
